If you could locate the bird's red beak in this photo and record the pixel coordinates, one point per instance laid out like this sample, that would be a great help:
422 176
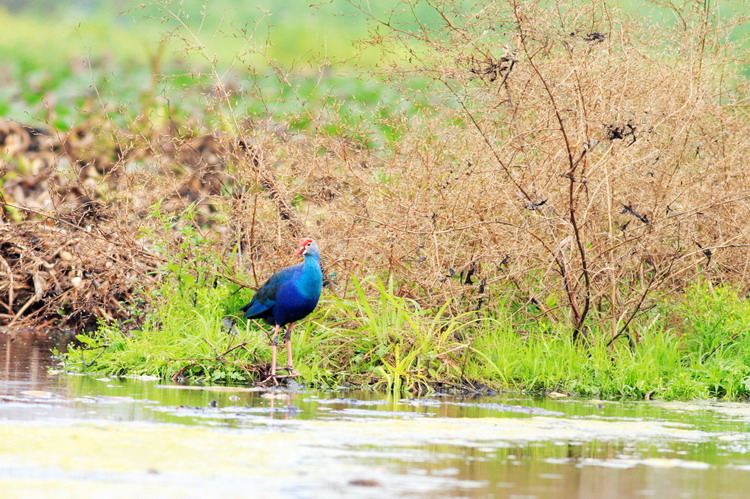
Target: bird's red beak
302 246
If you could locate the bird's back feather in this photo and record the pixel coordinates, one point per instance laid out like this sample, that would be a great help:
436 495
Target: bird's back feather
265 297
290 294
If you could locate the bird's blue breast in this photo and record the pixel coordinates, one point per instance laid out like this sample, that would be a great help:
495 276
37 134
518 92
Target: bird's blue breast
298 297
289 295
293 304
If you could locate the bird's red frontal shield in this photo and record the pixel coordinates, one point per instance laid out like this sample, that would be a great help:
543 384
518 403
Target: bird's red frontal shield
302 245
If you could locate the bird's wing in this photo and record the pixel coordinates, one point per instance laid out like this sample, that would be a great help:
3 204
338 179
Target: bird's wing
265 298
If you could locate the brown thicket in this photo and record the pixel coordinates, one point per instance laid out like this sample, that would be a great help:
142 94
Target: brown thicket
567 159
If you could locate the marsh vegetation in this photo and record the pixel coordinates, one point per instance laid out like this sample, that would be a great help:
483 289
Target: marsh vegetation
505 195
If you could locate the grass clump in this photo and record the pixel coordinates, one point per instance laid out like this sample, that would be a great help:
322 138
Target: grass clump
373 337
681 353
195 332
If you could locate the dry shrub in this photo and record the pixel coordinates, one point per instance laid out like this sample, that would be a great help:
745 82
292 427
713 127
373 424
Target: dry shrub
584 158
565 157
70 277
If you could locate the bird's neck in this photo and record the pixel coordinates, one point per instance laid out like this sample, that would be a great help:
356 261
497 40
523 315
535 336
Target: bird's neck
311 262
312 277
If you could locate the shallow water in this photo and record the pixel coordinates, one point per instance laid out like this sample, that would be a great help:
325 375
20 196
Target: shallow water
83 436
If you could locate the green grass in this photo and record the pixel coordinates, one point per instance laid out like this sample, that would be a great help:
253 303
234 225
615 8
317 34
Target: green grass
692 345
706 356
389 342
373 337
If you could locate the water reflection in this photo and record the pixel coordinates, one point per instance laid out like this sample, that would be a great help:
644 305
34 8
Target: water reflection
362 442
26 360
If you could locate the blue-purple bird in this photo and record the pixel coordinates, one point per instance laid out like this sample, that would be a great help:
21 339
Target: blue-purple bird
290 295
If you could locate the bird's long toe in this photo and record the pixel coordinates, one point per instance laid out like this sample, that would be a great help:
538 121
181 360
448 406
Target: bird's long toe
273 378
291 372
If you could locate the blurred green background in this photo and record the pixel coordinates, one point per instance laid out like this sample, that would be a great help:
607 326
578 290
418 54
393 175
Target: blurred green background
49 32
58 57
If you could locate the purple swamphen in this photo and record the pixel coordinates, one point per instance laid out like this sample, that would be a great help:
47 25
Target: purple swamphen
288 296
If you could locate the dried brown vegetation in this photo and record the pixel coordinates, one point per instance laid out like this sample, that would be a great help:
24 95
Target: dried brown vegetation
58 276
571 161
589 162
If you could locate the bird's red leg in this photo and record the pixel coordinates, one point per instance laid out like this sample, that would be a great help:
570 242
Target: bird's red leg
274 341
289 364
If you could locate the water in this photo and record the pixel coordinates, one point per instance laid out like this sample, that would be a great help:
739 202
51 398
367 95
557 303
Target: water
83 436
